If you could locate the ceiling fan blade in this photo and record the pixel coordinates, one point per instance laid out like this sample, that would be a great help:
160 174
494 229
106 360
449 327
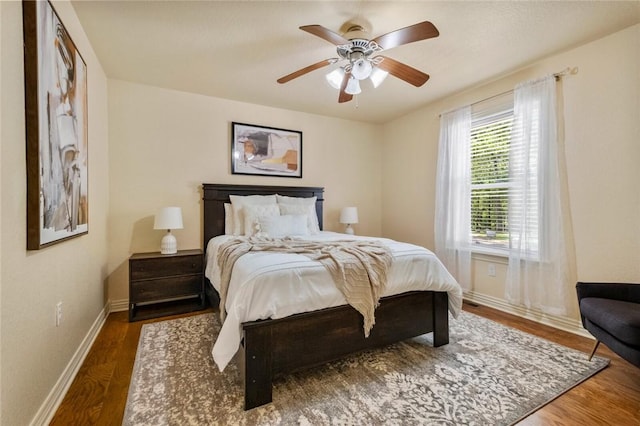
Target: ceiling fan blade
344 96
305 70
324 33
403 71
417 32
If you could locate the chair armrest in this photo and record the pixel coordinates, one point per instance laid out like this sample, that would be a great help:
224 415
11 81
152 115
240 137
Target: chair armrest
618 291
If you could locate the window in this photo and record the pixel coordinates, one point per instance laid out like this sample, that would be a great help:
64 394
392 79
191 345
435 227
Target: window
491 129
500 189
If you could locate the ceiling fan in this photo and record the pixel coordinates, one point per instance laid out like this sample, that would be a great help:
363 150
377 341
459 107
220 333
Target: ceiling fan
362 57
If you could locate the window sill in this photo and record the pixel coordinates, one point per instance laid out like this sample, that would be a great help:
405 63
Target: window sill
491 255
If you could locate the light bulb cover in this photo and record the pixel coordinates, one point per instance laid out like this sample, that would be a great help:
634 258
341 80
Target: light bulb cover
353 87
335 77
377 76
361 69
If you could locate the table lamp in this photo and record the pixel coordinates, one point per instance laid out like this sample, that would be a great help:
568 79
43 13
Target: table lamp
349 216
168 218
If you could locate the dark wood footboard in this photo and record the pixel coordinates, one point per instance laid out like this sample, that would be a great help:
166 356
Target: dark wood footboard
273 347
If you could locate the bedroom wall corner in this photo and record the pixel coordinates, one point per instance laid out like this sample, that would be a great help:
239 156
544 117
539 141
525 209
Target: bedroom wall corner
408 170
36 356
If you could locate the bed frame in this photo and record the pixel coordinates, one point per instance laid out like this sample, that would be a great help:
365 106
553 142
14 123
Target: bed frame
273 347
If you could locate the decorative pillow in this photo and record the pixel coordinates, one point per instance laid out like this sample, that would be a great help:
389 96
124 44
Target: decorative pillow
283 226
238 202
310 202
228 219
284 199
302 209
252 215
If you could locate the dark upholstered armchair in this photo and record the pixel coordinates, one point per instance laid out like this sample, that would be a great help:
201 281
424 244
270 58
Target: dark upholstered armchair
611 312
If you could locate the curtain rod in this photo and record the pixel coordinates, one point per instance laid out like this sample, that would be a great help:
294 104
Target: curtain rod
566 71
557 75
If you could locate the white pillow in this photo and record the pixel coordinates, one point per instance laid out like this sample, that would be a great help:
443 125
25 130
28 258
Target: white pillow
283 226
228 219
238 202
252 214
310 202
283 199
301 209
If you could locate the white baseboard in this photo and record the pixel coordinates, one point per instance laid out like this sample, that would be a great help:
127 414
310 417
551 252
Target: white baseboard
119 305
563 323
54 399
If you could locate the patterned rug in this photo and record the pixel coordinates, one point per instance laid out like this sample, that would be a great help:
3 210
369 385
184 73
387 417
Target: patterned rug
487 374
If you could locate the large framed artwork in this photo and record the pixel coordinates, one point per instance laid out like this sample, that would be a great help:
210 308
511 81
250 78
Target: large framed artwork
56 129
266 151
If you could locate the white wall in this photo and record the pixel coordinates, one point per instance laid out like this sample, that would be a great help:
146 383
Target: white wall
34 352
164 144
602 147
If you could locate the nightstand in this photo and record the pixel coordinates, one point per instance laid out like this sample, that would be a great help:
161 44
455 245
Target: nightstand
165 284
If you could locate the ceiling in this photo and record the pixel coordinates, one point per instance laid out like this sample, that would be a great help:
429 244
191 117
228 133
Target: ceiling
238 49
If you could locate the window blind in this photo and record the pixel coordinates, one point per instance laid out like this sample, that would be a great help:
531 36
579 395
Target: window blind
491 130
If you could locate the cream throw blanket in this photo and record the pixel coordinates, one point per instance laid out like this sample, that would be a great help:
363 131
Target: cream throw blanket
359 268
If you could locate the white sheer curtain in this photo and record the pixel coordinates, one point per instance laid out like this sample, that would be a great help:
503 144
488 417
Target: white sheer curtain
453 195
539 271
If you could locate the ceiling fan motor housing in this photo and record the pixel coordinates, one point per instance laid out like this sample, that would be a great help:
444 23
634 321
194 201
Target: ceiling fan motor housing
358 45
357 52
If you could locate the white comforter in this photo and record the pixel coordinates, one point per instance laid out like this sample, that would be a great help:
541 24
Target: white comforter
275 285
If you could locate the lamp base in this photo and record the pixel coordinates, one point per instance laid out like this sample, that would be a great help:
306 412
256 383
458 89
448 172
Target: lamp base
169 244
348 229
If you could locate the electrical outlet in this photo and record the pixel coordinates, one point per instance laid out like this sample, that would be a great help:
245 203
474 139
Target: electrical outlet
491 270
58 314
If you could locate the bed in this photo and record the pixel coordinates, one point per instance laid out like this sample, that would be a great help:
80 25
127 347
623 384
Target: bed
272 347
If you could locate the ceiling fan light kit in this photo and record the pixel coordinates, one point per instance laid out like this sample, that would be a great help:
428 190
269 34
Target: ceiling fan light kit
353 86
358 52
361 69
335 78
378 76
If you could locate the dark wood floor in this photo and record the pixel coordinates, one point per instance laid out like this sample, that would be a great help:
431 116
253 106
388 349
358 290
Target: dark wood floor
99 392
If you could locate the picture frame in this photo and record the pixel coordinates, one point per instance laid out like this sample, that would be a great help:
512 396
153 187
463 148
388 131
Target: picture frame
55 76
265 151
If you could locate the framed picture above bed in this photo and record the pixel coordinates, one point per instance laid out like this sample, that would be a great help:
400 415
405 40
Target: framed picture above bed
265 151
56 129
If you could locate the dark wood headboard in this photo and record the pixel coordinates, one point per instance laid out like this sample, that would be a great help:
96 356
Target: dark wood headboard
215 195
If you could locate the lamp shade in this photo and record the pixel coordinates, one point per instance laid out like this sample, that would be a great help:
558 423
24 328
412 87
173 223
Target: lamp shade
168 218
349 215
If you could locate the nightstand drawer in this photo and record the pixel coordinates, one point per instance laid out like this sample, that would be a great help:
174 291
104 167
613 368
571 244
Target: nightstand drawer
165 266
165 288
162 284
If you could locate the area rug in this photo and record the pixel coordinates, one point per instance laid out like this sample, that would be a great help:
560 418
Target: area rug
487 374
